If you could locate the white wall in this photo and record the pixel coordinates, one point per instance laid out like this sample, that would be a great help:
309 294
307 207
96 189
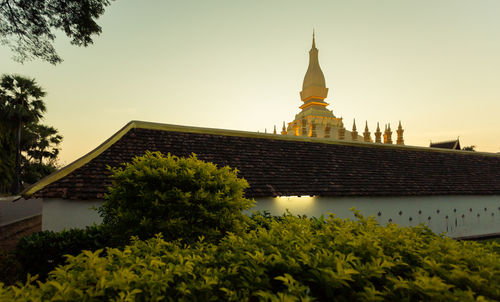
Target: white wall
59 214
481 214
457 216
12 211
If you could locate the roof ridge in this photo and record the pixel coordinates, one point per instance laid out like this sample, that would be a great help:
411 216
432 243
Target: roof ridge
243 133
448 141
223 132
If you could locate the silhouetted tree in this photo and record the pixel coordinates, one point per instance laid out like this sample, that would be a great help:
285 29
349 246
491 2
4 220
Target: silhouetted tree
469 148
28 26
20 103
40 143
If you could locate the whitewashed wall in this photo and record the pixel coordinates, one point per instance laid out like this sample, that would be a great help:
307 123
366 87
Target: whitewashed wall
13 211
59 214
457 216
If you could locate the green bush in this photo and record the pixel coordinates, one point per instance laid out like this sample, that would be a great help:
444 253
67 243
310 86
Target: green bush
183 198
9 267
293 259
41 252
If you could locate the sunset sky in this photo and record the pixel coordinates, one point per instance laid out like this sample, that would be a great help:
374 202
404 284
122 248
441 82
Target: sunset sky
434 65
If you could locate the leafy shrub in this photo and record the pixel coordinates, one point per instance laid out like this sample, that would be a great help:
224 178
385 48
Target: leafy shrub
9 267
41 252
183 198
293 259
492 240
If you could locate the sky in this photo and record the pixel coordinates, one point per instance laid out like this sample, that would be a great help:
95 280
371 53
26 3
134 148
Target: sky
434 65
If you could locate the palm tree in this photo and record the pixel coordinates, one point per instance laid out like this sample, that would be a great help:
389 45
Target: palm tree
20 103
40 142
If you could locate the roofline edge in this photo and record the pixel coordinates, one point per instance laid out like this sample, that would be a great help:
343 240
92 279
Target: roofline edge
249 134
55 176
214 131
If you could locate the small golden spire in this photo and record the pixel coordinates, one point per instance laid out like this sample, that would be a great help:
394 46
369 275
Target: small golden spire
274 132
378 134
366 134
400 140
314 40
283 130
389 134
354 133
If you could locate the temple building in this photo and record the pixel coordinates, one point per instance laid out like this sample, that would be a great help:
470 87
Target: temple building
315 120
451 144
316 167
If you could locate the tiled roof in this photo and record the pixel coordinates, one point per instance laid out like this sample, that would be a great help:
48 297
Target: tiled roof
453 144
276 165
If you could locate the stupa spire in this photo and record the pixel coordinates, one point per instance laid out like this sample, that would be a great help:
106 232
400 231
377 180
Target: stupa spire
314 89
378 135
314 41
283 130
400 140
366 134
354 133
314 76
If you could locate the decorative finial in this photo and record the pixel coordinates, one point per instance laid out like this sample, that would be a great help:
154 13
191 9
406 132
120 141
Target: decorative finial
314 42
378 134
366 134
274 132
354 133
400 140
283 130
388 135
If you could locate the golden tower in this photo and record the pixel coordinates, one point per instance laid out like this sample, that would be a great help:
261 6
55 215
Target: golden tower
400 140
366 134
283 130
378 135
314 119
389 135
354 133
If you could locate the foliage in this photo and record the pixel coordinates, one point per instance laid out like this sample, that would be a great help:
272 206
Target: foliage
40 148
293 259
180 197
496 246
34 171
21 105
40 143
469 148
28 26
21 99
10 267
7 156
41 252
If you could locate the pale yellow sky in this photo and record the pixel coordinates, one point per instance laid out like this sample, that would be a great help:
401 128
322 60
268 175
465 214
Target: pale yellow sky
434 65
